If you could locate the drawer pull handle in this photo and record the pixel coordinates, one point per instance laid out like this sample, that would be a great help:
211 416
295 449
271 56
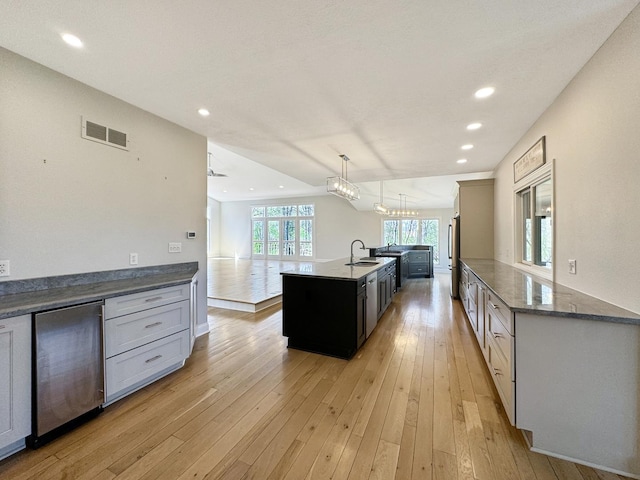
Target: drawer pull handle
497 335
2 326
153 299
153 359
495 307
151 325
497 371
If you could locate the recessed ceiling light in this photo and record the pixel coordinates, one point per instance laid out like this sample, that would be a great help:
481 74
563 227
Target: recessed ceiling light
474 126
203 112
280 186
468 146
251 188
485 92
462 160
224 191
72 40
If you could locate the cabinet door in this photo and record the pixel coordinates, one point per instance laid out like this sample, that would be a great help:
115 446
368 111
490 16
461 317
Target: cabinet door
15 372
361 317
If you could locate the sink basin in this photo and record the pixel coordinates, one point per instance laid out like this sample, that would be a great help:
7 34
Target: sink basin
361 264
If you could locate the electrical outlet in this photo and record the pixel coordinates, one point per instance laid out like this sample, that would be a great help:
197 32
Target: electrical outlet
175 247
4 268
133 259
572 267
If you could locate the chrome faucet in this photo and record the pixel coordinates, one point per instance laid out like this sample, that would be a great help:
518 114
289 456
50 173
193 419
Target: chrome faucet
361 248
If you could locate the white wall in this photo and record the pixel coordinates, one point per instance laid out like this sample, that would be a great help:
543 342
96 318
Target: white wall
337 225
591 131
213 215
90 205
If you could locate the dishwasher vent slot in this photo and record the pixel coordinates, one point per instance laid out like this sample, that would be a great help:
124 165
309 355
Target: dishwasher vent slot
103 134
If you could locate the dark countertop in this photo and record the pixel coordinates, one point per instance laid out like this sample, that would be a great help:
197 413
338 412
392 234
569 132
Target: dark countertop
337 269
22 297
526 293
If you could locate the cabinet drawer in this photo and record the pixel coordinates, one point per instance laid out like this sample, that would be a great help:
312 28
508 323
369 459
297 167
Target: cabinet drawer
500 311
501 338
499 369
135 366
417 269
131 331
136 302
417 257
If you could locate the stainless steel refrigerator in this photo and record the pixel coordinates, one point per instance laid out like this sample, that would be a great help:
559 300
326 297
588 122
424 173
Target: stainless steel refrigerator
454 254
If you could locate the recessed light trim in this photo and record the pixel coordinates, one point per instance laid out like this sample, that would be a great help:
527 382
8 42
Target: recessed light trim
468 146
203 112
474 126
462 160
484 92
72 40
280 186
251 189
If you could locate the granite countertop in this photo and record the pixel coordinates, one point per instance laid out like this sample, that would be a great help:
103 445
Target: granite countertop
337 269
526 293
22 297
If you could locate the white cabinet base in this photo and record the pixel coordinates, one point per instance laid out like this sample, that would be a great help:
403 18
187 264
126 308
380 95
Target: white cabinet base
577 390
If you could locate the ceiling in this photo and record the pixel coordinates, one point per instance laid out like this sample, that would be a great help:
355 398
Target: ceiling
290 85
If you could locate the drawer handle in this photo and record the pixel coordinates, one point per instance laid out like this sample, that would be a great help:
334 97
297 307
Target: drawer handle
497 371
371 281
497 335
2 326
153 299
495 307
151 325
153 359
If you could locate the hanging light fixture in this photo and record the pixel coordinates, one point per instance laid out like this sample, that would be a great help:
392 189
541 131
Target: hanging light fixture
380 207
340 186
403 211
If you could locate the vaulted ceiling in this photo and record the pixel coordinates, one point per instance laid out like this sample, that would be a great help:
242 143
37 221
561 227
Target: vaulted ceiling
292 84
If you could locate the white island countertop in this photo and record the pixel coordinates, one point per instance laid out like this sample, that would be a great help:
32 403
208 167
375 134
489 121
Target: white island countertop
337 269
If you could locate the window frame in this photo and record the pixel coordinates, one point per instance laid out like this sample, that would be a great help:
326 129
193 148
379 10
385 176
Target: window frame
530 183
418 232
281 219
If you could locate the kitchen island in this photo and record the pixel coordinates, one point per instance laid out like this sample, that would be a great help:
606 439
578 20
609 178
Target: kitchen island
565 365
324 305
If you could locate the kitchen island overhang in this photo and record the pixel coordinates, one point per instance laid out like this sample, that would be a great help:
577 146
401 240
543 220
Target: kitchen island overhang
324 305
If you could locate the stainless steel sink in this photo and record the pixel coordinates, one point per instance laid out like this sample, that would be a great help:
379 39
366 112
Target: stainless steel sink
361 264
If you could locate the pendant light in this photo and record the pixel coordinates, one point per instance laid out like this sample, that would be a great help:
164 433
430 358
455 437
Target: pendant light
380 208
403 212
340 186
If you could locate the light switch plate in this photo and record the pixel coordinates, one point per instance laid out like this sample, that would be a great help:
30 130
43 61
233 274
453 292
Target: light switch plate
133 259
572 266
175 247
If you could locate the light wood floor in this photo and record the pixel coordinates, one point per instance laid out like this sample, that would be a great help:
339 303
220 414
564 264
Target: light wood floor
245 280
415 403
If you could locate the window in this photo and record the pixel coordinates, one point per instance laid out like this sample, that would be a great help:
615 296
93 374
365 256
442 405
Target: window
424 231
282 231
534 229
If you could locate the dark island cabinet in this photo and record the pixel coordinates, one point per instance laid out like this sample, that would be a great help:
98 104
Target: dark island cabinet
324 315
386 287
420 263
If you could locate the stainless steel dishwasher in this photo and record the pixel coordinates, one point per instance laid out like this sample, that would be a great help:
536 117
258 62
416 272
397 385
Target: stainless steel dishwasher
68 369
372 302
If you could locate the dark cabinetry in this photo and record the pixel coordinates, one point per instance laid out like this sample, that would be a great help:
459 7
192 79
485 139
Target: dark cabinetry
420 263
386 287
324 315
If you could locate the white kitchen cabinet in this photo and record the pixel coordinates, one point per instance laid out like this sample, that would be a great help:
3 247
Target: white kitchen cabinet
15 387
147 336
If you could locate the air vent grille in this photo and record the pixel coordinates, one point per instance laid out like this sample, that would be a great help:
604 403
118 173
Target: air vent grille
105 135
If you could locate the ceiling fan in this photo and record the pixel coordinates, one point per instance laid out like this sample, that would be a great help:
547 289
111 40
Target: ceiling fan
210 172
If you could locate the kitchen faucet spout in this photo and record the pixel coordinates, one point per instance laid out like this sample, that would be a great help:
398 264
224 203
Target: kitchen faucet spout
361 248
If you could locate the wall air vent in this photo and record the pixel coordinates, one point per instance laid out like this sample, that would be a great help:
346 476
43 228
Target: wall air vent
103 134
